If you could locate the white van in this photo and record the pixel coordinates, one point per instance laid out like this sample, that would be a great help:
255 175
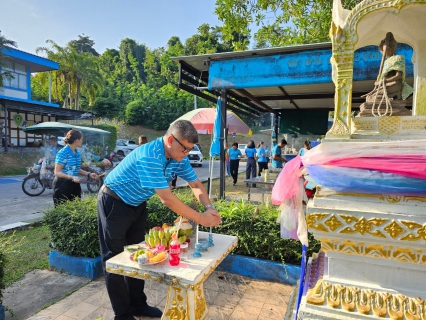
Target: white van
242 147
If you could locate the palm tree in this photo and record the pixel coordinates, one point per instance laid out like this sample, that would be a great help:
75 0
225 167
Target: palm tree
77 72
5 43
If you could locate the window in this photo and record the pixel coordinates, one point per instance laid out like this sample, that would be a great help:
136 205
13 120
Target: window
18 74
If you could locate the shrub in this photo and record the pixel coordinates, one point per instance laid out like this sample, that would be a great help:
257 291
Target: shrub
73 227
258 232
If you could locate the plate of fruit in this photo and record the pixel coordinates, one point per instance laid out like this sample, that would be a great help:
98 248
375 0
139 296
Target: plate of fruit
163 235
148 257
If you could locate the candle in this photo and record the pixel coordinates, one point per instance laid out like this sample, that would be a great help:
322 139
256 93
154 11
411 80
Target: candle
196 234
210 229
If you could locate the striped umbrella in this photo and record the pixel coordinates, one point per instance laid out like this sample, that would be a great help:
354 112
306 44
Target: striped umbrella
203 121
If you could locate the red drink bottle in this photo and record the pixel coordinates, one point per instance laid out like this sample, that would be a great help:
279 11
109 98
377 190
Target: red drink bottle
174 250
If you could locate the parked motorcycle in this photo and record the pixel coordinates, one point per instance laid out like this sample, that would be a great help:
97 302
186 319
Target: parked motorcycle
39 178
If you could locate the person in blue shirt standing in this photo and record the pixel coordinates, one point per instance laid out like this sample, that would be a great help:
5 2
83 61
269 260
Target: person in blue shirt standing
277 159
234 156
54 146
66 185
250 152
262 161
307 146
122 211
268 153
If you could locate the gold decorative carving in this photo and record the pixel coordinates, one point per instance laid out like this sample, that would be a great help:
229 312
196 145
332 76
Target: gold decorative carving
409 198
347 224
200 302
421 231
413 124
311 220
389 125
394 229
326 193
366 301
364 226
179 305
364 124
333 223
393 198
375 251
135 274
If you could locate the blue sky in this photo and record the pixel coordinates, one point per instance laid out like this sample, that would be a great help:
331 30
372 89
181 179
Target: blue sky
152 22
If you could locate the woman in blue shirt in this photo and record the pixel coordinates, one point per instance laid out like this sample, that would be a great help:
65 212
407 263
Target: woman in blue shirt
66 185
262 161
251 161
234 156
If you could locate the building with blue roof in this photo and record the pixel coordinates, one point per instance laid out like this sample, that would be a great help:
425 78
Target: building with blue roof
18 110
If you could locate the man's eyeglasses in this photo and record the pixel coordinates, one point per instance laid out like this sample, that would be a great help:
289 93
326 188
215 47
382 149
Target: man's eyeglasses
185 148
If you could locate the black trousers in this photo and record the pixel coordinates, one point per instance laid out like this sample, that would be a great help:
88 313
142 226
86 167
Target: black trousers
65 189
174 182
119 225
262 166
251 169
234 165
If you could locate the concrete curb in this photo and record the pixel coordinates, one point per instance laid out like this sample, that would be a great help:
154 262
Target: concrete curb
260 269
80 266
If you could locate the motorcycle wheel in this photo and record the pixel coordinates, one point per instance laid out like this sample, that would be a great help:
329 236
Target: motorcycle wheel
94 185
33 186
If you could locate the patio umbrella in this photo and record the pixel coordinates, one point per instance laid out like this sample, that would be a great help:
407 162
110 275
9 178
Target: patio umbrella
203 120
217 141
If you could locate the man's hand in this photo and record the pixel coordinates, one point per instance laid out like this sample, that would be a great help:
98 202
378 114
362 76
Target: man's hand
211 218
94 176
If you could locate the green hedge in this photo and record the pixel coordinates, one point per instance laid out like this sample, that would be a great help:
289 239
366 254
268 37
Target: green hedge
73 227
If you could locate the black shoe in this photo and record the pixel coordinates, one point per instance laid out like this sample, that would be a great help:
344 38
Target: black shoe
234 184
151 312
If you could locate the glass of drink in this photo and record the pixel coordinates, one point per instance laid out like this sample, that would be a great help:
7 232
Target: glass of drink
184 251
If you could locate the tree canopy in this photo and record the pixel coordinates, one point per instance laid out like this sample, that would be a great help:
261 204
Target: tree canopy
279 22
139 85
4 44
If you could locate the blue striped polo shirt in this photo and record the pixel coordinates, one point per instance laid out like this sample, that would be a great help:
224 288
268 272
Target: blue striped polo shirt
144 170
70 160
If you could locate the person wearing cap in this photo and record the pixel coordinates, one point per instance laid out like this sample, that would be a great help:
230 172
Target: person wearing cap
122 208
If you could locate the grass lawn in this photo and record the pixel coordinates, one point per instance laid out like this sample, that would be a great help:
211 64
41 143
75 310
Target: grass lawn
31 253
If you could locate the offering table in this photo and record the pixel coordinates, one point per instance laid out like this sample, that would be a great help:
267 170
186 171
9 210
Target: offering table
264 186
185 297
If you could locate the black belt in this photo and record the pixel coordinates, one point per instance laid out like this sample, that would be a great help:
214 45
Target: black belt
108 191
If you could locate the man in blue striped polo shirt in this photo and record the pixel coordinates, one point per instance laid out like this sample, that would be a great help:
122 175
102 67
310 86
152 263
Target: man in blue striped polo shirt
122 213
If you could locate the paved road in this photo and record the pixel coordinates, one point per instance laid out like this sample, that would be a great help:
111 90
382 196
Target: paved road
17 208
